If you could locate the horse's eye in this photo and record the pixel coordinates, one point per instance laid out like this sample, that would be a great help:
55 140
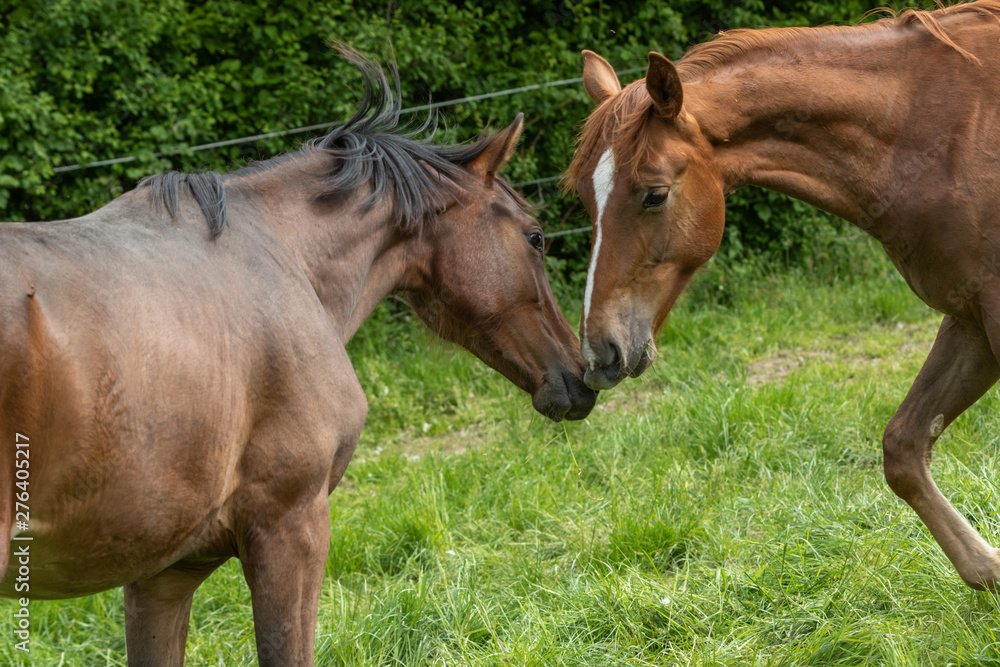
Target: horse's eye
537 241
655 198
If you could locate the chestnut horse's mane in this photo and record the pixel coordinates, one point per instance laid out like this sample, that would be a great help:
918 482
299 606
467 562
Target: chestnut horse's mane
371 149
734 44
624 116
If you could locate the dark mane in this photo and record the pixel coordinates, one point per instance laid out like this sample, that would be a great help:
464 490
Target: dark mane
421 178
207 189
622 119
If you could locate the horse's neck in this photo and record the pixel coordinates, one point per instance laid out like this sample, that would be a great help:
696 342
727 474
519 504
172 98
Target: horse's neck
836 130
384 263
819 137
359 260
352 257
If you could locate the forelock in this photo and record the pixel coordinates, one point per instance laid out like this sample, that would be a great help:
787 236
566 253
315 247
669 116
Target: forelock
621 123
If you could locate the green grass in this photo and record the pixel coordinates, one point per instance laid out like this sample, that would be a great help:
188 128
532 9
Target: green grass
728 508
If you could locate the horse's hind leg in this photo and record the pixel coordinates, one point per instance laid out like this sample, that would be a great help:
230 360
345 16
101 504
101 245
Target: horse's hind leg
284 563
157 613
960 368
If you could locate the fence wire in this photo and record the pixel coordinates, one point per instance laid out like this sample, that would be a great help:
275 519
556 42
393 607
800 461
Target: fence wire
322 126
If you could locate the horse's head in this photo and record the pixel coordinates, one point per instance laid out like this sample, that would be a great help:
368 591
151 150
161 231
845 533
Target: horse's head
647 177
484 287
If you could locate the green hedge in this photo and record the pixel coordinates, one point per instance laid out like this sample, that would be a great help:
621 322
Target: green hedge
83 80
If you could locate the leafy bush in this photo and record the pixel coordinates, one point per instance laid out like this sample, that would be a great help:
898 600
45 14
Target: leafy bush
85 80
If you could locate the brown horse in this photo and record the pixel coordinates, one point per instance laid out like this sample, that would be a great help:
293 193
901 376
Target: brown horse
891 125
179 394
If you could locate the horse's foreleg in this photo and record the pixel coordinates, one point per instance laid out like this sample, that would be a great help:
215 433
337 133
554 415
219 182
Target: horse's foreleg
284 565
157 613
960 368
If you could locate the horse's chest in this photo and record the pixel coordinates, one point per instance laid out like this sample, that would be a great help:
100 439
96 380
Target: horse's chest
948 277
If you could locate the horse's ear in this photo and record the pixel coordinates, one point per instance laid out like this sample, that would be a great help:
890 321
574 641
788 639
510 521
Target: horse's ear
664 85
497 152
599 78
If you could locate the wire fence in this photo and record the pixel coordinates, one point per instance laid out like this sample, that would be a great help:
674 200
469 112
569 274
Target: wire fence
318 126
324 126
567 232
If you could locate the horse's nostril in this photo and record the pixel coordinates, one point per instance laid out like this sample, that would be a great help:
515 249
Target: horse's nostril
616 354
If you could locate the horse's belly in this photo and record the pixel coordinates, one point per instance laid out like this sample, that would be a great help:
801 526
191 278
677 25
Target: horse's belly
35 573
103 547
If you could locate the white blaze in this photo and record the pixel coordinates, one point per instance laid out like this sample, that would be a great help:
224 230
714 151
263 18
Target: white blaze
604 183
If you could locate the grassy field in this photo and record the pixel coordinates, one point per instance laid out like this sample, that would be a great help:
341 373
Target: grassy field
728 508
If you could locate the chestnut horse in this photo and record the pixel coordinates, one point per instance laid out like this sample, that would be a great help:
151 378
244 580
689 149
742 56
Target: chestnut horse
179 393
891 125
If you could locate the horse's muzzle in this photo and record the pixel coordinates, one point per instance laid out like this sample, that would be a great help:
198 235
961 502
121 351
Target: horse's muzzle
608 366
564 396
